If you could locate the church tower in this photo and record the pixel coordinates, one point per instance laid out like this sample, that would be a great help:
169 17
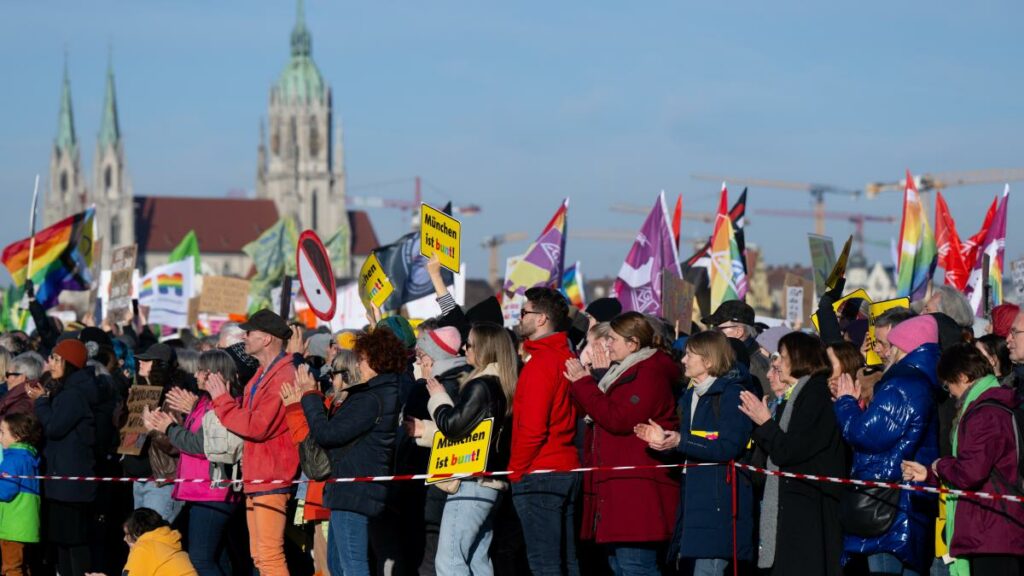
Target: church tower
66 193
302 169
111 191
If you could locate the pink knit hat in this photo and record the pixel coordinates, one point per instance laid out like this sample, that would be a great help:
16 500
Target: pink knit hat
911 334
441 343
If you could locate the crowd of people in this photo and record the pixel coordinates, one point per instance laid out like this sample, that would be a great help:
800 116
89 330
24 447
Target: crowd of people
253 423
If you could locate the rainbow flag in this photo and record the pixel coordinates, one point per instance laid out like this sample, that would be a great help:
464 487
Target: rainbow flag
993 246
917 251
727 273
61 260
572 286
544 260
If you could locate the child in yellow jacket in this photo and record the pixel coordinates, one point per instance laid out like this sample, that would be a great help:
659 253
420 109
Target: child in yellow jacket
155 548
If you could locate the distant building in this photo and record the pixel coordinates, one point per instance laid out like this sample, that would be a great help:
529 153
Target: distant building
300 175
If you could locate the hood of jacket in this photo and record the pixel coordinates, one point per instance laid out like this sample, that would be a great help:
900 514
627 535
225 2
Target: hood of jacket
923 359
1005 396
557 343
163 535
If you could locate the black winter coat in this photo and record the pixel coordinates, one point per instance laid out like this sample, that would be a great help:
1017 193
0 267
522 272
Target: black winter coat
809 539
479 399
360 440
69 429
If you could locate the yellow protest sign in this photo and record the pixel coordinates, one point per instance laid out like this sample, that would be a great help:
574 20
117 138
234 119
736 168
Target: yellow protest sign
373 283
463 456
860 294
876 309
440 234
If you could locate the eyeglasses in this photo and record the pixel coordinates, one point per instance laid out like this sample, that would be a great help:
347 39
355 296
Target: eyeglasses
528 312
13 374
1014 332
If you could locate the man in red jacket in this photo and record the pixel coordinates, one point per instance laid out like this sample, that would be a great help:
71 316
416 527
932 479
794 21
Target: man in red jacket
268 452
543 432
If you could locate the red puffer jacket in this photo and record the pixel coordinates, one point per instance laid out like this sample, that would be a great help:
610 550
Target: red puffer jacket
543 415
268 451
629 505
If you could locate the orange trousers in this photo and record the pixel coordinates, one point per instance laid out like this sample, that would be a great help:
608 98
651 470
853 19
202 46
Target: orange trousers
12 555
267 517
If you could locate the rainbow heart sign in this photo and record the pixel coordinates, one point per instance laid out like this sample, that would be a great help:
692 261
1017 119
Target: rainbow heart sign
166 290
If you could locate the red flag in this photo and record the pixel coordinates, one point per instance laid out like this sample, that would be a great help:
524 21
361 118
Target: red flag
677 219
971 250
948 242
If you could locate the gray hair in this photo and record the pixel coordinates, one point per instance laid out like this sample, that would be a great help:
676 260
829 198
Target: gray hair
346 364
230 334
28 364
5 359
217 361
188 360
955 305
893 316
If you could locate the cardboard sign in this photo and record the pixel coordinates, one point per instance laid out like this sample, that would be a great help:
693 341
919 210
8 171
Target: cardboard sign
794 305
440 234
875 310
808 291
313 265
224 295
122 267
823 260
463 456
373 283
677 301
166 290
839 270
133 433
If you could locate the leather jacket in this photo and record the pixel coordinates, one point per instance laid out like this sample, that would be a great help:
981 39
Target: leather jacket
479 399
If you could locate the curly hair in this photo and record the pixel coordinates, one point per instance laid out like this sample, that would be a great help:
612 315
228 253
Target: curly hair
383 351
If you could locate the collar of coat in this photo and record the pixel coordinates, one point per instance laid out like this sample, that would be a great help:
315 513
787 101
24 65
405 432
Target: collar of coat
621 368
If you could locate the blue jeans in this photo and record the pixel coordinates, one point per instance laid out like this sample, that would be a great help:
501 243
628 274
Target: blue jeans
885 563
158 499
545 504
633 560
207 524
464 542
349 534
709 566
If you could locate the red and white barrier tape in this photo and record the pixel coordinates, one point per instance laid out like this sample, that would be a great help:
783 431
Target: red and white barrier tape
878 484
392 478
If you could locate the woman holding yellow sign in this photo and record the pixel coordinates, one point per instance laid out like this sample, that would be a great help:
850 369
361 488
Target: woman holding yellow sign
467 523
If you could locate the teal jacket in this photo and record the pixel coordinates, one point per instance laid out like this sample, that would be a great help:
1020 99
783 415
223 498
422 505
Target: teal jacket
19 499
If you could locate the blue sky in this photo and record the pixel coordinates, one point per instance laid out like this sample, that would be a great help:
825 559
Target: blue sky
514 106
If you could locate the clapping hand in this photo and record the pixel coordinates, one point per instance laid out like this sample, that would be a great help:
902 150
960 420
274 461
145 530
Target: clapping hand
847 386
290 394
35 391
434 387
599 355
574 370
156 420
755 408
656 436
181 400
216 386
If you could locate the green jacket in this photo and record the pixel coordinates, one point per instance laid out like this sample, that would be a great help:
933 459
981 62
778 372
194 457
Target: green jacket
19 499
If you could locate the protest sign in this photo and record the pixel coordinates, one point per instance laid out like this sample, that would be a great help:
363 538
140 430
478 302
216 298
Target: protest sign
677 301
166 291
859 294
122 267
316 277
133 433
512 306
839 270
374 285
875 310
224 295
808 294
823 260
440 234
1017 272
794 305
463 456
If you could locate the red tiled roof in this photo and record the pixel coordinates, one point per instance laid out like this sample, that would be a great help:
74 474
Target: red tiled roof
221 224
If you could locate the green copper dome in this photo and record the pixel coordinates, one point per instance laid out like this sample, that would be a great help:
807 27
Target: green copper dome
301 80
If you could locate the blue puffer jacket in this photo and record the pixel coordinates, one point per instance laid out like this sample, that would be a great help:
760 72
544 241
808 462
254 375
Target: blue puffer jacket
899 424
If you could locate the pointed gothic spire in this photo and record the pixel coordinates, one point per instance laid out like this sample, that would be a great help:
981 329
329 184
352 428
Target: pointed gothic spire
66 139
302 41
110 129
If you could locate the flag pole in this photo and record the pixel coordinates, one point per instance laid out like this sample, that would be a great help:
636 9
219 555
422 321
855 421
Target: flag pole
32 230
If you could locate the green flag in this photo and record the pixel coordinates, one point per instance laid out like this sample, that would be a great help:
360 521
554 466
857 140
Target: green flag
273 255
339 247
189 246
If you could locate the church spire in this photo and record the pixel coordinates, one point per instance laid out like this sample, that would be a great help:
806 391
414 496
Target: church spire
302 41
110 129
66 139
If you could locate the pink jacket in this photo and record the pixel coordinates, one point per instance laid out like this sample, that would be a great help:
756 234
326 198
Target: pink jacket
196 466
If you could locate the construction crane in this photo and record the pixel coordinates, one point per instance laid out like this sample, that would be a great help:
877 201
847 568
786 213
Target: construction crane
944 180
406 205
817 191
706 217
493 243
856 218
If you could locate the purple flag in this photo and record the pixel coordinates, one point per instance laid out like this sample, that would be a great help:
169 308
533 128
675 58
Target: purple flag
638 286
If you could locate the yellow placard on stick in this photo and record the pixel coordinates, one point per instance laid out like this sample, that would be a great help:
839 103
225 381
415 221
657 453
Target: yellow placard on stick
463 456
877 309
440 234
373 283
859 294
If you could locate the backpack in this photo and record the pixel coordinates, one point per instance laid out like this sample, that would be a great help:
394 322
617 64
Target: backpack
1017 419
314 460
220 444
